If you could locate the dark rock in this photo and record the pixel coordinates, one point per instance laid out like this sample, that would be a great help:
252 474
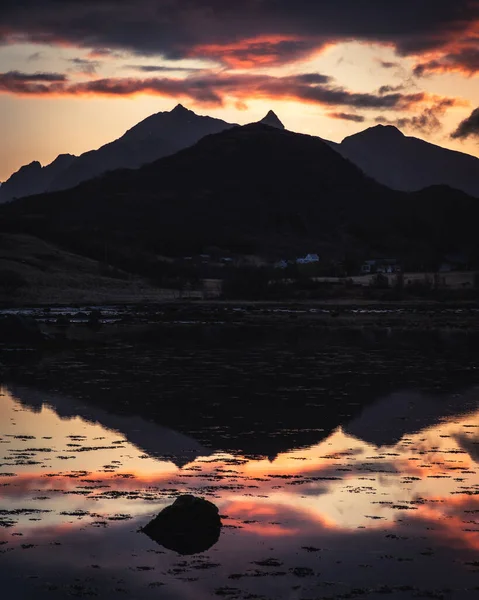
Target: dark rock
189 526
17 328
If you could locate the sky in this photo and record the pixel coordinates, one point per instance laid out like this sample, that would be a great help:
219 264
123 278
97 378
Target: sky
76 74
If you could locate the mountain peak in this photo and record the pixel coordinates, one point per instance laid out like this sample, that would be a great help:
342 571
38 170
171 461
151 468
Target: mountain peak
180 110
272 120
35 164
389 130
379 134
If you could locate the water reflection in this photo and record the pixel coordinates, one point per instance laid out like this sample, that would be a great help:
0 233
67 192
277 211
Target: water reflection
387 502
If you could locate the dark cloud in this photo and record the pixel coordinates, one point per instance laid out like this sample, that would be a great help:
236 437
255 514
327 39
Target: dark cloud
465 60
347 117
103 53
385 64
40 84
312 78
238 33
85 66
468 128
427 122
35 56
218 88
387 89
29 77
159 69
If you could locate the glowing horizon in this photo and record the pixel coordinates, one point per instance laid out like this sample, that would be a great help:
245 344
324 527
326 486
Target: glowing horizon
330 70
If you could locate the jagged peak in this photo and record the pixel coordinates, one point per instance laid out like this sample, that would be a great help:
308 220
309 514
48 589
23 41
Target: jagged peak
35 164
180 109
272 120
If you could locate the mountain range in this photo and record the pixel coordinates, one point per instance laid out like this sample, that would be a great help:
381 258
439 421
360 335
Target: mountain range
159 135
255 189
382 152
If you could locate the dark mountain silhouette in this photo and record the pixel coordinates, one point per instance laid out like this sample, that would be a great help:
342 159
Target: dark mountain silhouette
159 135
33 178
382 152
249 189
408 163
272 120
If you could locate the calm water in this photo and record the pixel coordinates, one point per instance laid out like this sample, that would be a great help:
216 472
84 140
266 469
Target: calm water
384 503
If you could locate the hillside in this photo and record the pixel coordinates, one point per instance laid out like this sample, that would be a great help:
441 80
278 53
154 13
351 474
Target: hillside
33 272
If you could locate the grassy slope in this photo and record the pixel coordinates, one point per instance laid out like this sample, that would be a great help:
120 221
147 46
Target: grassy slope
56 276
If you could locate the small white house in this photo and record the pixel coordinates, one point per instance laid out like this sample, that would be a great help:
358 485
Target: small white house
308 259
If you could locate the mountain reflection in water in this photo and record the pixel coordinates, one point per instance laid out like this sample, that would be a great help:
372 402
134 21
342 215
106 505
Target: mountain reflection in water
386 503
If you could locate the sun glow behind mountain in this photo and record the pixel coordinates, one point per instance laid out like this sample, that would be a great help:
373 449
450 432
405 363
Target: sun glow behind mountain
329 70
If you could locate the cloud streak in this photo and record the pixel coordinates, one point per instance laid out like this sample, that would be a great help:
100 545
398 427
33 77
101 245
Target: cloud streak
19 76
464 61
347 117
85 66
160 69
426 122
217 89
31 84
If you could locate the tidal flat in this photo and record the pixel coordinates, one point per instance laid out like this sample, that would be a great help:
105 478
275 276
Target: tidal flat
343 460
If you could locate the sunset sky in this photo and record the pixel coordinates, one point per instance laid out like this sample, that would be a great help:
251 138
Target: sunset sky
75 74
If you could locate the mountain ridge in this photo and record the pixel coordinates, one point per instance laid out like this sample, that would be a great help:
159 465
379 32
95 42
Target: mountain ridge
158 135
254 189
382 152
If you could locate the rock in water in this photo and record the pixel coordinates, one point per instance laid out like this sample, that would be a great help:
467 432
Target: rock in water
189 526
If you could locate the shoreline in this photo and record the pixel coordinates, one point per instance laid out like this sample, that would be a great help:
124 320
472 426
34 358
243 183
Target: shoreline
66 326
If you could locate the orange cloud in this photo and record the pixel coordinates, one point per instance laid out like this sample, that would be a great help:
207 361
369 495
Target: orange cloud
260 51
461 55
209 89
